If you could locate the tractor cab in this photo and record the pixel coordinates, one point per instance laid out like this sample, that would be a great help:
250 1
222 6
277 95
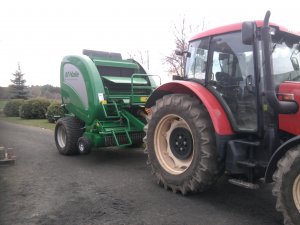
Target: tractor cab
236 110
234 71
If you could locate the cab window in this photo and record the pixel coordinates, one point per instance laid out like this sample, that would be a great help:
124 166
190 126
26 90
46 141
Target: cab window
232 79
197 62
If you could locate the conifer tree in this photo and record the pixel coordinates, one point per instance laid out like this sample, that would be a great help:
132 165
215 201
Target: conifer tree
18 89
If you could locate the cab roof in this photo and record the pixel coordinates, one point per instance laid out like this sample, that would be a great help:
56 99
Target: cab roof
235 27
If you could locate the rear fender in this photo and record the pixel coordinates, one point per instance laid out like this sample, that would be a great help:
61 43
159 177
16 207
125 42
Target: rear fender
278 154
214 108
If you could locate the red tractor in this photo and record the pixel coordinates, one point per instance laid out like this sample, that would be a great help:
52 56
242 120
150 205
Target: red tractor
235 110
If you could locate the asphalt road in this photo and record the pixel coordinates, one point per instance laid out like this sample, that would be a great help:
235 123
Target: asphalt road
110 186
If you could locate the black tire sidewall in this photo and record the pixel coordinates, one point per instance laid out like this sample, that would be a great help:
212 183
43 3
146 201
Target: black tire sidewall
73 129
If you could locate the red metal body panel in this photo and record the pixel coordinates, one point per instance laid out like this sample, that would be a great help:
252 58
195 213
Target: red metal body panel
216 112
231 28
290 122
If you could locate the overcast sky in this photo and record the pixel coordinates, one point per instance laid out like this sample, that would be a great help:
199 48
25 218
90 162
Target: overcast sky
38 34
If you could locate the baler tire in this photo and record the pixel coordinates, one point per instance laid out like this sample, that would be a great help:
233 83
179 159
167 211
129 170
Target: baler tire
200 166
287 186
67 132
84 146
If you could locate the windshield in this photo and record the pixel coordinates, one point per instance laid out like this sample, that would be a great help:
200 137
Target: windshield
286 58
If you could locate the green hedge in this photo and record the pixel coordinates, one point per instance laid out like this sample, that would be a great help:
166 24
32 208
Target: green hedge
35 108
12 107
54 112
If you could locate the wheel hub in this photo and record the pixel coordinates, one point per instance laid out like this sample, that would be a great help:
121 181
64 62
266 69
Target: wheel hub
181 143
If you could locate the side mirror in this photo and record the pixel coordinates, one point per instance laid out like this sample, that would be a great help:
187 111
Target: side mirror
248 33
180 53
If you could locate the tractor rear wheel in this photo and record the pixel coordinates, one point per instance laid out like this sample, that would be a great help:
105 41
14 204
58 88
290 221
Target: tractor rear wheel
287 186
181 144
67 132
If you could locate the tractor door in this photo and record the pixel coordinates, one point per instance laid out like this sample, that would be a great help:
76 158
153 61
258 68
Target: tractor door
230 77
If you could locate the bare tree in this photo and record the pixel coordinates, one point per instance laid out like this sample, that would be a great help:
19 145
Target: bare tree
176 63
140 56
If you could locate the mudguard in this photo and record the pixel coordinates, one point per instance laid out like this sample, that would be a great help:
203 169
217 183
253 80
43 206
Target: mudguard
278 154
214 108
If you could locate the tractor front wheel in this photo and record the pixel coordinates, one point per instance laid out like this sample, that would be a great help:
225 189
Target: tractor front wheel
181 144
287 186
67 132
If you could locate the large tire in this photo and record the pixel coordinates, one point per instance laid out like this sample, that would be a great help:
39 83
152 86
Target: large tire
181 145
67 132
287 186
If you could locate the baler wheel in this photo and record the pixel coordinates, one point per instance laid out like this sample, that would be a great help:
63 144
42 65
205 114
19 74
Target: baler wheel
181 144
84 146
67 132
287 186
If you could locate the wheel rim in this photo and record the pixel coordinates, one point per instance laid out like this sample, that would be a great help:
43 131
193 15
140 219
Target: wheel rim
81 147
296 192
61 136
173 144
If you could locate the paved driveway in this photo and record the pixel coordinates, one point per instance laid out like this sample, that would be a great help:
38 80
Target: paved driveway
110 187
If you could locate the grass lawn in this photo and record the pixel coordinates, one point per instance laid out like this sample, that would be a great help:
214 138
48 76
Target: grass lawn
43 123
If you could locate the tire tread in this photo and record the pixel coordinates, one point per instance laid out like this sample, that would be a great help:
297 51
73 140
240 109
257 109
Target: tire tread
74 130
283 167
210 167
